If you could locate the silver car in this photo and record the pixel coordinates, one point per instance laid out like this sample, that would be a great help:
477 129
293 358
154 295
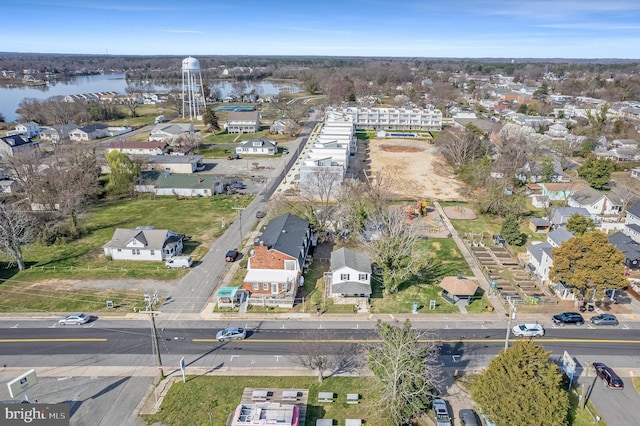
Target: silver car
441 412
76 318
231 333
528 330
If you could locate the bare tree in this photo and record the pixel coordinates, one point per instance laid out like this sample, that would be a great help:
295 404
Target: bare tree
459 146
312 355
391 242
405 368
16 230
320 189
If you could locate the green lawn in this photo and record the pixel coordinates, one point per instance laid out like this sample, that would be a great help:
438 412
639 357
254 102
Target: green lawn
199 218
191 403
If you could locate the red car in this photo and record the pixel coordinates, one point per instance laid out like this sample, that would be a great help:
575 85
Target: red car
609 377
231 255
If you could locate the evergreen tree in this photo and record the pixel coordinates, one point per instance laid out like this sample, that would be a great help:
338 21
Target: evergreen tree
510 230
596 171
548 170
521 386
589 263
210 118
580 225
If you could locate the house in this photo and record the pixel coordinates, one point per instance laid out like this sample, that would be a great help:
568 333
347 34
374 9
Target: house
540 259
283 126
560 215
243 122
532 171
276 262
89 133
56 134
558 236
632 222
627 245
139 148
350 274
183 185
167 132
597 203
173 163
559 191
144 243
257 146
30 129
11 145
540 201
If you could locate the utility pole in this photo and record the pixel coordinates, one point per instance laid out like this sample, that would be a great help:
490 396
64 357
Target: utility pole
512 315
154 331
239 210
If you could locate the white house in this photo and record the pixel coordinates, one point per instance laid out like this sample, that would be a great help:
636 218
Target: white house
138 148
89 133
597 203
30 129
173 163
143 243
350 274
243 122
55 134
257 146
167 132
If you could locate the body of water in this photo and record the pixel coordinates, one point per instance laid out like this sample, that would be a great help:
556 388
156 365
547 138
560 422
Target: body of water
10 97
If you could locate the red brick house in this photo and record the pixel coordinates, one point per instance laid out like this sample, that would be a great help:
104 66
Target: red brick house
275 264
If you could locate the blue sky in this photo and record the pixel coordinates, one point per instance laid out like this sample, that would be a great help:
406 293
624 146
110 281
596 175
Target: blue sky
401 28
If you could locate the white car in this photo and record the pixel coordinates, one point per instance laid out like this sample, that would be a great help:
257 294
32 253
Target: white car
75 319
528 330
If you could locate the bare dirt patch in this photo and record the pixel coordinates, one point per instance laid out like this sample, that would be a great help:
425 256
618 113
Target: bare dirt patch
414 169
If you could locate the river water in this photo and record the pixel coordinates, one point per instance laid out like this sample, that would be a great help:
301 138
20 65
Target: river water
10 97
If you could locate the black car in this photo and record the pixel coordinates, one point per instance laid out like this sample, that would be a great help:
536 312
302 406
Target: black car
231 255
609 377
568 318
260 214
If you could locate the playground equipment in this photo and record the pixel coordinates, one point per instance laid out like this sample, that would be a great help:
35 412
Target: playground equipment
419 209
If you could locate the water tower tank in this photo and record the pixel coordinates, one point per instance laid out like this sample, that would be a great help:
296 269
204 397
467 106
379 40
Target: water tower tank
190 64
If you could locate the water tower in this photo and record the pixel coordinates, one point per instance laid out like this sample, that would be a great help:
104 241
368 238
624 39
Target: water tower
193 101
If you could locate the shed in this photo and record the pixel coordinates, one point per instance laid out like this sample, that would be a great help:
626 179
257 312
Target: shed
539 225
456 288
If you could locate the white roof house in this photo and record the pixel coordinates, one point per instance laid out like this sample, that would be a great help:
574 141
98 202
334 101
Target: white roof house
143 243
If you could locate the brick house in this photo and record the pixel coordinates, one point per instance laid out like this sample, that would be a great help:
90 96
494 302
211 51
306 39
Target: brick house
275 264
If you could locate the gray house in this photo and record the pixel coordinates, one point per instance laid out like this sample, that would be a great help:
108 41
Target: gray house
11 145
350 274
560 215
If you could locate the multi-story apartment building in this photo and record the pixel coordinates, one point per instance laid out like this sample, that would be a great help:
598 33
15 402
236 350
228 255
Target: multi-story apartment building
394 118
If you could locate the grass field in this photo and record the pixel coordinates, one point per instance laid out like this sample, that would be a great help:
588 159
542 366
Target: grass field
198 218
191 403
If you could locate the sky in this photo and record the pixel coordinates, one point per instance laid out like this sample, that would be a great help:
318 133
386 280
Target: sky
583 29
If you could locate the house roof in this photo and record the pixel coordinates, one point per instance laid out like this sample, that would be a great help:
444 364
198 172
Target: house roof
561 213
174 159
536 250
262 142
286 234
559 186
151 238
172 129
626 245
353 259
137 145
351 287
634 210
560 235
16 140
588 195
459 286
93 127
538 221
243 116
190 181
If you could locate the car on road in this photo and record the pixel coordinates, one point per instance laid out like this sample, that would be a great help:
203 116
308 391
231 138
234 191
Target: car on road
76 318
231 157
285 151
441 412
609 377
231 333
604 319
528 330
568 318
260 214
231 255
469 417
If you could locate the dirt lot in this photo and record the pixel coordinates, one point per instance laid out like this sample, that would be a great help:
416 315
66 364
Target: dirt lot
414 170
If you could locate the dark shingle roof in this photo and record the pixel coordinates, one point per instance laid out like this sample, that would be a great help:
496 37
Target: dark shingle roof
634 210
286 234
353 259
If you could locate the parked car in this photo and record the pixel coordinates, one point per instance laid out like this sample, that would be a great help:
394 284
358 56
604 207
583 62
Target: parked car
441 412
609 377
231 255
179 262
568 318
260 214
469 418
231 333
76 318
604 319
285 151
528 330
231 157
